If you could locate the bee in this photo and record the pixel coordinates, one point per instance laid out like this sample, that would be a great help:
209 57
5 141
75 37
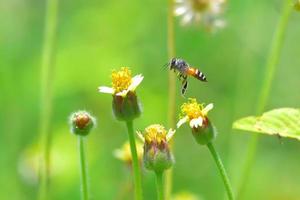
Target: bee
183 70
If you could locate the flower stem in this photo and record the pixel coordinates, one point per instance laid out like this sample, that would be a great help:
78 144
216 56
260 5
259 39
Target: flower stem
221 170
172 89
159 185
83 169
272 62
48 54
135 162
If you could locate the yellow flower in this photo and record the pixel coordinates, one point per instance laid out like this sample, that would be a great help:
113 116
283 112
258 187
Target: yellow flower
156 133
122 82
124 153
194 113
205 12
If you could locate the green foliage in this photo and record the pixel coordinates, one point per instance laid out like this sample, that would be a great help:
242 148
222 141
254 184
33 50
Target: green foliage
95 37
284 122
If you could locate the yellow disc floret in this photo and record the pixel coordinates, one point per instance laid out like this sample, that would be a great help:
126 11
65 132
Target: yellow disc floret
155 133
121 79
200 5
192 109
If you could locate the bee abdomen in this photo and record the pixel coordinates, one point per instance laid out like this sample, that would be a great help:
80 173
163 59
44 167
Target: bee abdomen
200 76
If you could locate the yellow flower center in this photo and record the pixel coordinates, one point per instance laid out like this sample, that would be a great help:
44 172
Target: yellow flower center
155 133
121 79
192 109
200 5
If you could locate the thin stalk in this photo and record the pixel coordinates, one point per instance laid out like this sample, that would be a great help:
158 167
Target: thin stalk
172 89
48 54
272 62
221 170
83 169
159 185
135 162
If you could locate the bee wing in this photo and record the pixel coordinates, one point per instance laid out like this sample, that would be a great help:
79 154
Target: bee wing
167 65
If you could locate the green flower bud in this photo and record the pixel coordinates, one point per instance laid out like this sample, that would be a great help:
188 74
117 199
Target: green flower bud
126 108
205 133
157 155
81 123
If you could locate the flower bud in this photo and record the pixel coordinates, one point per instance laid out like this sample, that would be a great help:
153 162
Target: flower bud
126 108
157 155
205 133
81 123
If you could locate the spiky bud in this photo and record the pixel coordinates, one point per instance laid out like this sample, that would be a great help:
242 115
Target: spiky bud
81 123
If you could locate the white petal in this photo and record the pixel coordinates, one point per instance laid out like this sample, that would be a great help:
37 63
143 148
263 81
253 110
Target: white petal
140 136
180 10
187 18
123 93
195 123
170 134
182 121
207 108
136 80
104 89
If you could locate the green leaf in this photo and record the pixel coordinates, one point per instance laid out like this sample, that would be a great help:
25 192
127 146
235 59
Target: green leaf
284 122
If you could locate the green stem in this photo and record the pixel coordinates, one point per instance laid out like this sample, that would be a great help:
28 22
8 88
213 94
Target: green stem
221 170
135 162
83 169
48 54
272 62
159 185
172 89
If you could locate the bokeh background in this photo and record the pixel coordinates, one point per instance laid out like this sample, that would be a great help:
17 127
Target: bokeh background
95 37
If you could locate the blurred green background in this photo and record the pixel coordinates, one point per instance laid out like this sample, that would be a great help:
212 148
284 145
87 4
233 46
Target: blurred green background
95 37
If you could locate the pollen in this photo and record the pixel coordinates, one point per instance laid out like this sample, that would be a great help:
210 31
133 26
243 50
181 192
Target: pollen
121 79
155 133
192 109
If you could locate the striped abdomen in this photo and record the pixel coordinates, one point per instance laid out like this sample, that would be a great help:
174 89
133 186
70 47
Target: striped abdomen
196 73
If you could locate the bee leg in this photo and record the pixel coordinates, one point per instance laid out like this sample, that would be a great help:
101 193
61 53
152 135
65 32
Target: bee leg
180 76
184 87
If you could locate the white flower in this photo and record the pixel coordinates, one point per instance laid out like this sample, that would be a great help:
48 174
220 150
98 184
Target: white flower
204 12
122 83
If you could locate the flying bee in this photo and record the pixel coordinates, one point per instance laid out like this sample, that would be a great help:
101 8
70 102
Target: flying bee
183 70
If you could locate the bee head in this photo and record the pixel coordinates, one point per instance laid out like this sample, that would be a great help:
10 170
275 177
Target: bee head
173 62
